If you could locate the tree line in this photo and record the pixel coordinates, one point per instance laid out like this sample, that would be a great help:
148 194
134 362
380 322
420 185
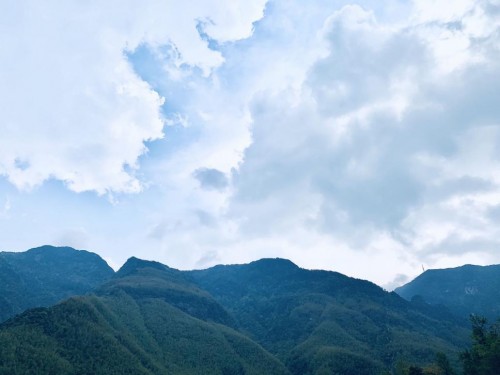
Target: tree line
482 358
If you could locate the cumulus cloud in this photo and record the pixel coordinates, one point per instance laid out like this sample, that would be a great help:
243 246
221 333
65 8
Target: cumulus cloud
375 146
329 158
73 108
361 138
391 135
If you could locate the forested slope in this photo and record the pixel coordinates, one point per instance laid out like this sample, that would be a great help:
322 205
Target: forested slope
266 317
325 322
46 275
147 320
464 290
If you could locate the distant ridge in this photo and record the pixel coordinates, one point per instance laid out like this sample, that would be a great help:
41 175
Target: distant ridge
465 290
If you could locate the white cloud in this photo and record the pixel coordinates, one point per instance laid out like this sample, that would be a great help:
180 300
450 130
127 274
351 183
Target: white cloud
345 159
72 107
357 138
359 145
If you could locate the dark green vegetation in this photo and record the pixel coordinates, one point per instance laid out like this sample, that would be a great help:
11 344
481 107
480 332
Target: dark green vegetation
266 317
319 322
46 275
441 366
464 290
147 320
483 358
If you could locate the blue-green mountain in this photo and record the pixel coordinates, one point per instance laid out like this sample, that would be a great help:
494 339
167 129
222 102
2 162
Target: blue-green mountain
463 290
324 322
266 317
46 275
149 319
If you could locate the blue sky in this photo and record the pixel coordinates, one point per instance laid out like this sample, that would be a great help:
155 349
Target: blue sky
361 137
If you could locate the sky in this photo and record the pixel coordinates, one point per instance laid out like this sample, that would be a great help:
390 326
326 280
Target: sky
360 137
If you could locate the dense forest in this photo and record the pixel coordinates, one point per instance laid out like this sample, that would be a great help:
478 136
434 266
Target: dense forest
325 322
266 317
482 358
463 290
45 275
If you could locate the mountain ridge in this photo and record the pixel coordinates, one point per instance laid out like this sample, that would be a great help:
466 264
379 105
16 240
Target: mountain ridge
300 315
465 290
47 274
149 319
270 311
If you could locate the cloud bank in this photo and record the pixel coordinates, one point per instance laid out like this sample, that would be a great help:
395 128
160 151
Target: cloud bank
73 109
390 142
357 137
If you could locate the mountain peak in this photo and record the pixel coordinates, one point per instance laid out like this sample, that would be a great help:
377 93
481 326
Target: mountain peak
133 264
275 264
62 252
51 248
47 274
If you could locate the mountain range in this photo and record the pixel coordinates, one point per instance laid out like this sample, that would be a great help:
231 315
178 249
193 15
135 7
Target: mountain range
266 317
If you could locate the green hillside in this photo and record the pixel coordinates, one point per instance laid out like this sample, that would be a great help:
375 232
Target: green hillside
324 322
144 321
46 275
464 290
266 317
